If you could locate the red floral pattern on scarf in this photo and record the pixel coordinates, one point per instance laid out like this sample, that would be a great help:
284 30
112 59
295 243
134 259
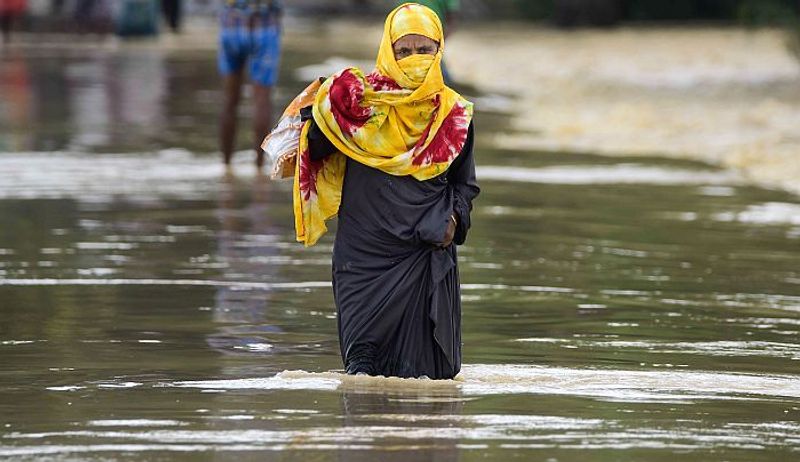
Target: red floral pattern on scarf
308 175
382 83
448 141
345 94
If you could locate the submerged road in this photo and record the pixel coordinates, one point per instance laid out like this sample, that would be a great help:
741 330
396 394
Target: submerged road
154 306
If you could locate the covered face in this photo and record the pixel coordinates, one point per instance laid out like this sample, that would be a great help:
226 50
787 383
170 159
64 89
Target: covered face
411 47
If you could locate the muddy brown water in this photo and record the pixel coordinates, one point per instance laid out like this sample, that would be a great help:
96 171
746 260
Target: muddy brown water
154 307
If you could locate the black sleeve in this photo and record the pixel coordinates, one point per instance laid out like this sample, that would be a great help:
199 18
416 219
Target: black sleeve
319 146
461 177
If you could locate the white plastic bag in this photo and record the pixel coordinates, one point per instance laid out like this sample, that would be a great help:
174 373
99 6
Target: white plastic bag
282 144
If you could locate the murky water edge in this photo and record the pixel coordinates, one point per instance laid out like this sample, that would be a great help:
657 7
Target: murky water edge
156 307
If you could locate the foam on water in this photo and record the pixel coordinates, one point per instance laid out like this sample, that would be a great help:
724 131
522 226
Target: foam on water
17 342
523 288
66 388
718 348
438 431
717 191
60 449
740 300
163 282
120 385
770 213
504 379
135 423
99 178
279 382
615 174
243 284
621 385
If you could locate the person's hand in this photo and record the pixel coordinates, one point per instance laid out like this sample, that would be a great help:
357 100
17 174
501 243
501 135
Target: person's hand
306 113
450 233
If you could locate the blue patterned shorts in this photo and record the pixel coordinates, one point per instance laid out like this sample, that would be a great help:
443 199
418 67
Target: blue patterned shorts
252 38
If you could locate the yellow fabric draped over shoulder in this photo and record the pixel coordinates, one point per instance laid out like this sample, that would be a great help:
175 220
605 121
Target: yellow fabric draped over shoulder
388 120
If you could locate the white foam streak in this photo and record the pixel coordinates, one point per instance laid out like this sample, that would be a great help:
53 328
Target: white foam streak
135 423
241 284
724 348
440 431
770 213
98 178
268 383
164 282
41 450
615 174
120 385
621 385
513 287
504 379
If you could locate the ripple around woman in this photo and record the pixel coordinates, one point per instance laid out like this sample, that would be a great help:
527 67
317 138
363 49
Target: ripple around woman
405 141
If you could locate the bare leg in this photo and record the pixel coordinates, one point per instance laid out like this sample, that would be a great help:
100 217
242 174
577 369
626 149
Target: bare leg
263 118
232 85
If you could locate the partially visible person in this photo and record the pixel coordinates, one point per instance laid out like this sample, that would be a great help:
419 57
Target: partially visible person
92 16
390 153
10 10
172 10
250 36
136 18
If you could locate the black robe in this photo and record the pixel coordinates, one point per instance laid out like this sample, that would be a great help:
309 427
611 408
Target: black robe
396 290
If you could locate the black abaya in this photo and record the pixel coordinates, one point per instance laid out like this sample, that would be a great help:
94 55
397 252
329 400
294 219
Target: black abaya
396 289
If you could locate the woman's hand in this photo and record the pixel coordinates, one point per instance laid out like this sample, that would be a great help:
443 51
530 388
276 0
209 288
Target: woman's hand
450 233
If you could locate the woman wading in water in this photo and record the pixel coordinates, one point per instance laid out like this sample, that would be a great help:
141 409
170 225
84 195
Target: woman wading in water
390 153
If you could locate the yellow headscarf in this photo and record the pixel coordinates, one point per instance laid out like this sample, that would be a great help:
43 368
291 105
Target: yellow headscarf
389 120
408 19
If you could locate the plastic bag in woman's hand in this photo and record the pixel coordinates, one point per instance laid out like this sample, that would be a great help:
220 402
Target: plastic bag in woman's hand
281 145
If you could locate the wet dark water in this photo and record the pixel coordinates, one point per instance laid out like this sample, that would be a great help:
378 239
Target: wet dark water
154 307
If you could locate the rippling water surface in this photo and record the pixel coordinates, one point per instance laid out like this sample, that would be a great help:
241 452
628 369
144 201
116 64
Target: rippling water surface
155 307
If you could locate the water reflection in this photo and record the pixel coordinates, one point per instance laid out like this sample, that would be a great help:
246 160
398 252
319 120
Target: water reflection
137 87
111 96
16 108
89 105
92 99
364 408
245 253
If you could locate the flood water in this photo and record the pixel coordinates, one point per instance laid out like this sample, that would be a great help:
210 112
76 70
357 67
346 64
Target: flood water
154 307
